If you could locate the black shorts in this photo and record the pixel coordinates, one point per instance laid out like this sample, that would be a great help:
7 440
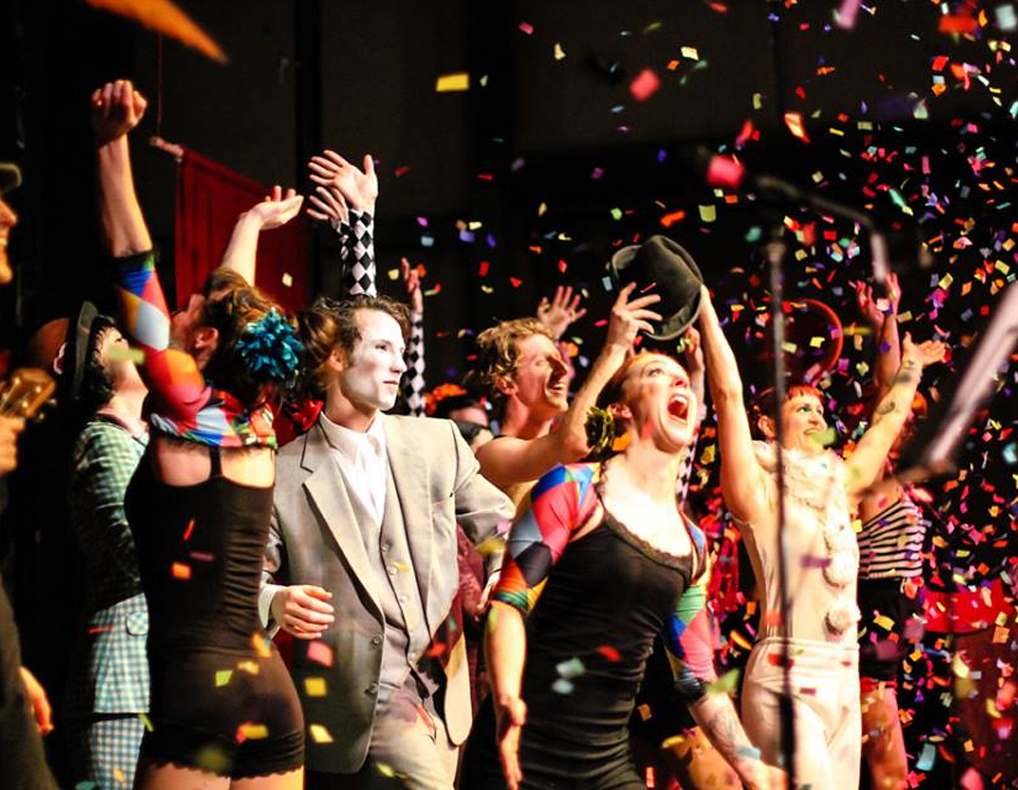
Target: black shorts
891 624
224 712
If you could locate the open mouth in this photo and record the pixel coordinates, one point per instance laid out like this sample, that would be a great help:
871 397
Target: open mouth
678 407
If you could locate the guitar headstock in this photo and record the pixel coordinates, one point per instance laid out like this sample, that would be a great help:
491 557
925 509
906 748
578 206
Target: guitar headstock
26 392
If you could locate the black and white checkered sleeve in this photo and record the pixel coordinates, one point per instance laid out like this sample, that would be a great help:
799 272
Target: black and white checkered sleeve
357 252
413 379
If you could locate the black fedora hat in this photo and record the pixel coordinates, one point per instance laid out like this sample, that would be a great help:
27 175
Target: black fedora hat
664 267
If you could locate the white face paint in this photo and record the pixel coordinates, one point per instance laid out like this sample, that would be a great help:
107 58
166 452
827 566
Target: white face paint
370 377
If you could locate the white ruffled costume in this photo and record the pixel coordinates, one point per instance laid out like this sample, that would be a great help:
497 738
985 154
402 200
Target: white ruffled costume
821 630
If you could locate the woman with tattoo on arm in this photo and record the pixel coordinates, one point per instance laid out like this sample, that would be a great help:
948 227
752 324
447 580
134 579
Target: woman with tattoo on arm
822 492
601 562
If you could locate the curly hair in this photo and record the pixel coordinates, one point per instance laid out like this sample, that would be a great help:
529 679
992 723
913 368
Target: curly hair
331 324
234 305
498 355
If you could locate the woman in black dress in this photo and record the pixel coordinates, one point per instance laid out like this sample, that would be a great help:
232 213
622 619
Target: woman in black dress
224 711
600 563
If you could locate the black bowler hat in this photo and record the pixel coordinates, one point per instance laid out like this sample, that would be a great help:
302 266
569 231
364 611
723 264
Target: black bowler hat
671 270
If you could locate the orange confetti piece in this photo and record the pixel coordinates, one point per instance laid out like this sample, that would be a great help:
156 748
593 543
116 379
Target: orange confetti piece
181 571
793 120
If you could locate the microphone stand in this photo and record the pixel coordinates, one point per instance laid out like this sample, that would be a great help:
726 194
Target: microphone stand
775 190
775 252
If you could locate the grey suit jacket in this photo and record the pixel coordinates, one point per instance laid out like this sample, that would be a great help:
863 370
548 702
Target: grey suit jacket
315 539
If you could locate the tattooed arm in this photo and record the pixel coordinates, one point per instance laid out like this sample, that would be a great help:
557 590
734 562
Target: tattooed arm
890 415
717 718
691 656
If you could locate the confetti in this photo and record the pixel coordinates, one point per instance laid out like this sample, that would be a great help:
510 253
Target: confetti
450 83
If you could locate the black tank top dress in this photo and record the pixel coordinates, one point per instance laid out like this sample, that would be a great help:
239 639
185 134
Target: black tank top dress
222 699
588 640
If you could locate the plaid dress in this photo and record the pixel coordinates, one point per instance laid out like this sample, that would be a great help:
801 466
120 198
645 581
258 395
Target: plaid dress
108 682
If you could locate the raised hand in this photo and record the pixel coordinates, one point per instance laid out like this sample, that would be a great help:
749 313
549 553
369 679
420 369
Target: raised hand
359 188
630 317
276 209
412 285
563 310
302 610
692 353
116 109
869 306
510 718
330 206
923 354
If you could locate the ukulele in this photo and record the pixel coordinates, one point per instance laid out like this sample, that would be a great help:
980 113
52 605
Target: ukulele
25 393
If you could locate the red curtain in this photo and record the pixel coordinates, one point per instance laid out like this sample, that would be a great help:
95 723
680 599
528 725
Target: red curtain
209 199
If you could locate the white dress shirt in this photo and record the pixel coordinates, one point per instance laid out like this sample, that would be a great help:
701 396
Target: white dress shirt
363 459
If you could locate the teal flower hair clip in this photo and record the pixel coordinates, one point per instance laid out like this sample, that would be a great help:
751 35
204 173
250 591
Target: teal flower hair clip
269 348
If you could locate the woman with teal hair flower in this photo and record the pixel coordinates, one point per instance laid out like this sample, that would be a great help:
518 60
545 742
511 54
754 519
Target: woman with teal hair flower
200 502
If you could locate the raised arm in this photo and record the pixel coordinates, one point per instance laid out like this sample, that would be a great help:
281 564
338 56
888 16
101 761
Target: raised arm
560 503
883 320
866 463
273 212
116 109
742 480
345 196
171 374
413 385
513 460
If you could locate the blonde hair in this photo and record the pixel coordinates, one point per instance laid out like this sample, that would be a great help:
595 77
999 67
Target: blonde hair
498 354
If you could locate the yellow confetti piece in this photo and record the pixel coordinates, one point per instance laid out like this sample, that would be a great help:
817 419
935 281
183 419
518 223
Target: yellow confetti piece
558 53
789 347
816 342
402 567
146 721
287 279
135 355
884 622
675 740
319 734
945 282
708 213
223 677
315 687
449 83
542 209
393 274
690 52
253 732
726 684
248 666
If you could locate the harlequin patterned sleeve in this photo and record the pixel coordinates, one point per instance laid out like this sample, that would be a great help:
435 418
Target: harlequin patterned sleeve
357 252
559 504
412 386
182 403
689 638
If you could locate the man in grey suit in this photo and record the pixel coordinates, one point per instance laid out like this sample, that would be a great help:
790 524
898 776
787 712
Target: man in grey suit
364 536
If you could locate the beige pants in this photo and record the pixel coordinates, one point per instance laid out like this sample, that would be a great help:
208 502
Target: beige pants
825 694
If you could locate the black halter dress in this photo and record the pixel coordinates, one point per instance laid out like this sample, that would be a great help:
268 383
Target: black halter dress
222 700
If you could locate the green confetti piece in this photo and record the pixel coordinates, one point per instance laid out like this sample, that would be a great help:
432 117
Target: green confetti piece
616 214
726 684
570 669
708 213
